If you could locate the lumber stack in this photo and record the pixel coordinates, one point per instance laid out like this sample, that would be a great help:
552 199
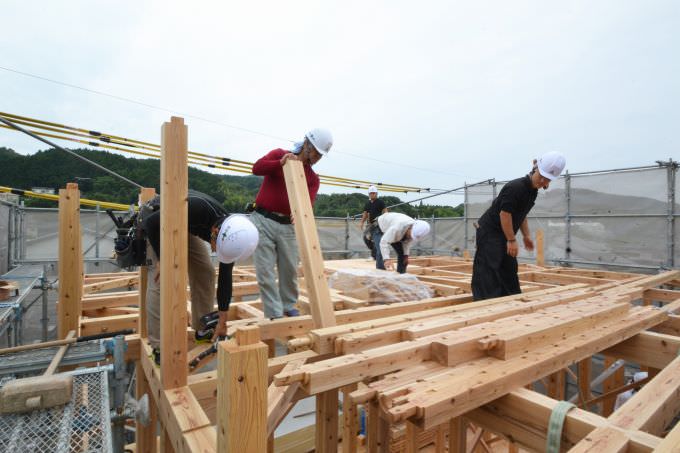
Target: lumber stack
431 366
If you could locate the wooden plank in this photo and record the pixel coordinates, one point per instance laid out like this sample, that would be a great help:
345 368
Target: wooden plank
512 344
92 326
70 261
308 243
242 396
121 299
174 246
457 435
123 282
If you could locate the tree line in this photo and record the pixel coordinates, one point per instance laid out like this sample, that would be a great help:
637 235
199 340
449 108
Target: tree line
53 168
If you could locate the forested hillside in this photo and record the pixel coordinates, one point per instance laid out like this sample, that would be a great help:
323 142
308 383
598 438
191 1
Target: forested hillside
54 168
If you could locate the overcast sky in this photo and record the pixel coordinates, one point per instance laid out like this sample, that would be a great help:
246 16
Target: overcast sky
429 93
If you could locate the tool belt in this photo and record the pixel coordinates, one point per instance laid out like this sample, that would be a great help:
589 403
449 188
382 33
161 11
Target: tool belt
282 219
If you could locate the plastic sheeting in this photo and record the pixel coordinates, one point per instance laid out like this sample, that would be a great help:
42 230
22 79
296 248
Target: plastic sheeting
378 286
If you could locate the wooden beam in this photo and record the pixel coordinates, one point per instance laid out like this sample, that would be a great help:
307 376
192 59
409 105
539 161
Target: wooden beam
242 394
350 421
653 407
524 415
174 253
70 261
308 242
123 282
92 326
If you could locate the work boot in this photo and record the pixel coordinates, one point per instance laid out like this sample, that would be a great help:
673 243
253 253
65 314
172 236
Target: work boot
204 336
211 317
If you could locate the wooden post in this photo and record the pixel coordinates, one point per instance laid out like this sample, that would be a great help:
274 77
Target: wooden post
556 382
412 435
377 430
584 370
145 437
327 422
540 257
242 393
70 261
457 435
174 253
611 383
350 422
308 243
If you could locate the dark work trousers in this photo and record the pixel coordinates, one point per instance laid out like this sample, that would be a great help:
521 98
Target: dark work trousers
494 272
367 236
397 246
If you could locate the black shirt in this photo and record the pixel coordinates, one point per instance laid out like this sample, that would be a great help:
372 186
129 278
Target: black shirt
203 212
374 208
517 197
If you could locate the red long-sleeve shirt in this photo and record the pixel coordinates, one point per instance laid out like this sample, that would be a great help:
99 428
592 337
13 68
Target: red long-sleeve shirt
273 195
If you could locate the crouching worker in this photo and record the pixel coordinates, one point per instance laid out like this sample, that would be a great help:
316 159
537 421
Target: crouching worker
399 232
232 237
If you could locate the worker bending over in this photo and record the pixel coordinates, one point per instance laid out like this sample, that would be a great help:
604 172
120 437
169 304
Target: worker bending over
397 231
494 272
278 247
232 237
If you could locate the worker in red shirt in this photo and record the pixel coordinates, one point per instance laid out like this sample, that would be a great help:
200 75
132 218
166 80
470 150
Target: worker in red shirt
277 246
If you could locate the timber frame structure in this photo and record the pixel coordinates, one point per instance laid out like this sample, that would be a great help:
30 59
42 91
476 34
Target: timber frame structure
439 373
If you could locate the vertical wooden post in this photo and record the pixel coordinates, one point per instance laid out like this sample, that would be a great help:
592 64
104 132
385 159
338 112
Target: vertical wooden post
457 435
350 422
412 437
242 393
584 370
377 430
556 382
174 253
145 436
70 261
540 256
327 422
613 382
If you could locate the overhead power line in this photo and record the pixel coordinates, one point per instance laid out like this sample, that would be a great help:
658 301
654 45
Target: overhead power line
208 120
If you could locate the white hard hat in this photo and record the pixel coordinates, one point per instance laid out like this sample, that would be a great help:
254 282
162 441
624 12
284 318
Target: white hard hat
236 240
420 229
372 189
551 164
321 139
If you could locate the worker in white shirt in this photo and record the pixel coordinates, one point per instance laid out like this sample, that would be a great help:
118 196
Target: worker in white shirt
397 231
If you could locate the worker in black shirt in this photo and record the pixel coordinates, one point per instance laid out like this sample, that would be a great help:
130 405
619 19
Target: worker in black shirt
494 272
372 209
232 237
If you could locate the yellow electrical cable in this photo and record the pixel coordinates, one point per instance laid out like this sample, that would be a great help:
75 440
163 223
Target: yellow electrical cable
197 158
52 197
